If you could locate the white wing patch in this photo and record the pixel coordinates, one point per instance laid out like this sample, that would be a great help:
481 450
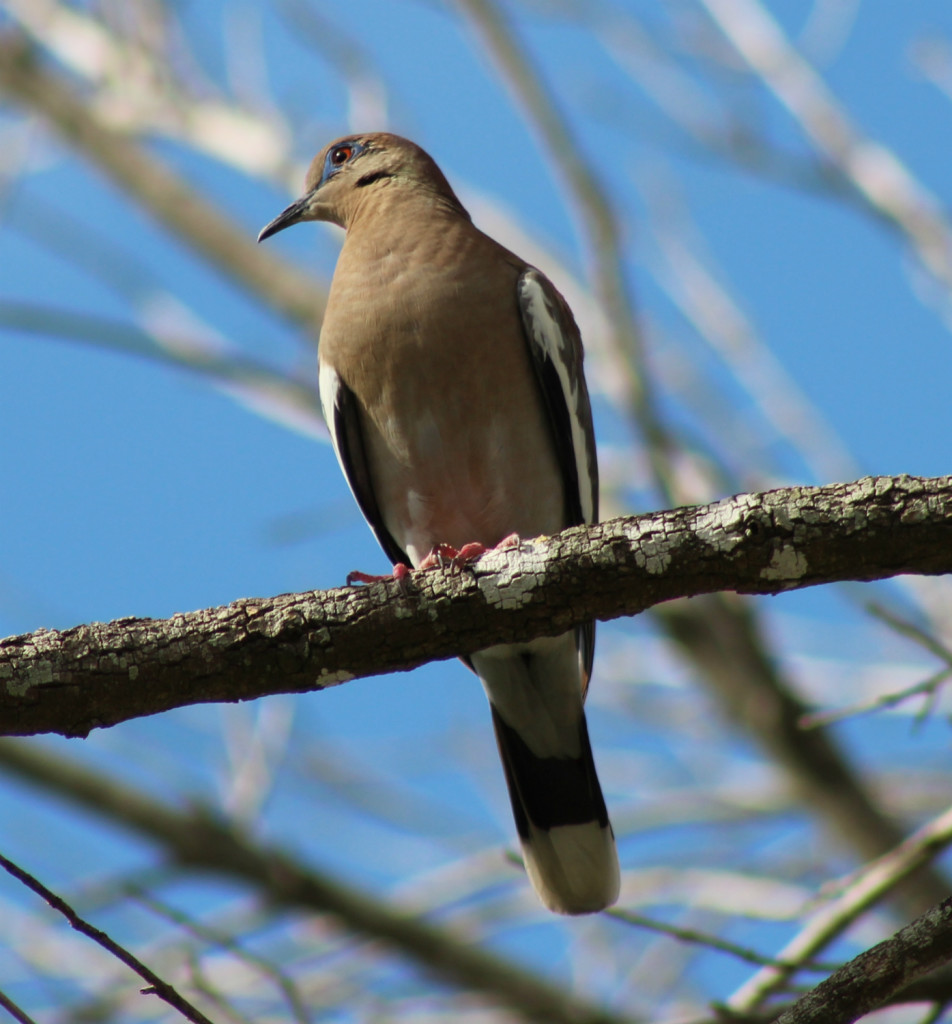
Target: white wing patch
547 335
328 384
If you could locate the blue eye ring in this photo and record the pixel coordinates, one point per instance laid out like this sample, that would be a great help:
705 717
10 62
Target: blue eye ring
339 156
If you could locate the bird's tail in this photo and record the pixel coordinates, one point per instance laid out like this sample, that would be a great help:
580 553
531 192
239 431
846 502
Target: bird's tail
567 840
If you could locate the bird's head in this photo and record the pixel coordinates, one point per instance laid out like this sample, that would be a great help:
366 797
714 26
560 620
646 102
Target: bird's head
354 168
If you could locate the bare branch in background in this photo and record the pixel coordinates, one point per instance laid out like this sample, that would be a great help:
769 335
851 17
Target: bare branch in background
266 390
200 842
367 91
157 986
718 319
875 172
134 84
163 193
863 891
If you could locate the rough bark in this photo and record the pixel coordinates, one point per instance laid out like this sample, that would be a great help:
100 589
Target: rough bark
100 674
871 979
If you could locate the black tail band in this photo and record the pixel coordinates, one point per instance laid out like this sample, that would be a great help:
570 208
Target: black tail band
549 791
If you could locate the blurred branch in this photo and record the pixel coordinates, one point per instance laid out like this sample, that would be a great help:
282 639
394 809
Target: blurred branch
875 976
693 937
156 187
927 688
722 634
217 937
347 54
876 174
911 631
269 391
133 75
157 986
198 841
97 675
865 890
720 321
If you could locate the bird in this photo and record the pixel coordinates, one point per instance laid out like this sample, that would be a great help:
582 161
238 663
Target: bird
451 379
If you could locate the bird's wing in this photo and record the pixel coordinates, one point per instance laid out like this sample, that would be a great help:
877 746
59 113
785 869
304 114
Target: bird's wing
343 420
556 349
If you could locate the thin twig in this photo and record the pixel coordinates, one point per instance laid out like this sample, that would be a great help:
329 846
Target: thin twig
15 1012
911 631
197 840
156 986
928 687
867 889
690 935
218 938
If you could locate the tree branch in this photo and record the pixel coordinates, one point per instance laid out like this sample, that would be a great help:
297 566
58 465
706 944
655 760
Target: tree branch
863 892
198 840
871 979
723 636
145 178
157 985
100 674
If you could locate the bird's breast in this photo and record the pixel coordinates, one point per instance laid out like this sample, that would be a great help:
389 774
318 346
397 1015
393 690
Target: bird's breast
432 346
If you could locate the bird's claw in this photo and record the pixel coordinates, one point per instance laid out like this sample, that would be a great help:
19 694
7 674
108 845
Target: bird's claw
446 556
442 556
401 573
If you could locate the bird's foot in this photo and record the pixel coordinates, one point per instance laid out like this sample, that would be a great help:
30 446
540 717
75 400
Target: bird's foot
446 556
512 541
401 573
443 556
440 556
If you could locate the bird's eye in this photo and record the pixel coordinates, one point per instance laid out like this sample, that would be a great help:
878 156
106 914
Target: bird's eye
341 155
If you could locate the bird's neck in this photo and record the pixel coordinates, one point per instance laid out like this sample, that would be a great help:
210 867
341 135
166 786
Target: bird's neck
396 208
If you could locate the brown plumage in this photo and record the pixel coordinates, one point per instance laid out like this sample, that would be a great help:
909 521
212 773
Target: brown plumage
451 380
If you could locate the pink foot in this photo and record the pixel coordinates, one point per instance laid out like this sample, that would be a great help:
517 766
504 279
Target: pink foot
401 573
468 554
458 558
438 557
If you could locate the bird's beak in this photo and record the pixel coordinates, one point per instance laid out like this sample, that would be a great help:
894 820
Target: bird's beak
298 210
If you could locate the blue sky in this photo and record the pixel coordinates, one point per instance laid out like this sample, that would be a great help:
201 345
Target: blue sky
131 488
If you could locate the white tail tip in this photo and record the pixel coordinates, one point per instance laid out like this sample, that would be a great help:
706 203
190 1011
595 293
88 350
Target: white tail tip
573 868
